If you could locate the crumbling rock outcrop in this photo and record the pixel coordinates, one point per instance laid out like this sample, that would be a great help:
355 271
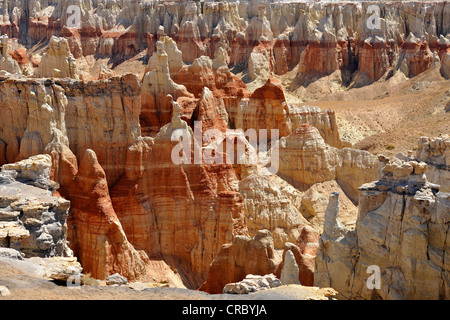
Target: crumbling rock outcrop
186 211
175 59
32 220
402 229
135 211
95 233
119 185
271 203
267 108
321 38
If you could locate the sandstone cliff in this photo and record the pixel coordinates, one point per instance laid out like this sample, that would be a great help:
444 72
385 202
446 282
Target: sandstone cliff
402 229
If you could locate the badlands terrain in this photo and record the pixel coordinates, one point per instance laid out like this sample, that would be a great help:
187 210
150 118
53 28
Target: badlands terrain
128 130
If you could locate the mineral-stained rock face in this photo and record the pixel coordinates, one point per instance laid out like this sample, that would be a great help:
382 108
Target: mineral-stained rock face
267 108
32 220
188 211
375 58
144 208
402 229
415 57
266 37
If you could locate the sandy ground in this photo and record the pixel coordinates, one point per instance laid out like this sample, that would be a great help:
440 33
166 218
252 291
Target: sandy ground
385 117
25 284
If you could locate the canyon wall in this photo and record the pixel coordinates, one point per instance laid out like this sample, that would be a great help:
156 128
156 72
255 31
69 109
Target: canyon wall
320 38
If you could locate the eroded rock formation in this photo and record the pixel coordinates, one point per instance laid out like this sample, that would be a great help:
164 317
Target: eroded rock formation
241 257
305 159
265 37
402 229
435 152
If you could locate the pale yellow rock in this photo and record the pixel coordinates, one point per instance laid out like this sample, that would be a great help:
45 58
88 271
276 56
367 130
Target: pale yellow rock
58 62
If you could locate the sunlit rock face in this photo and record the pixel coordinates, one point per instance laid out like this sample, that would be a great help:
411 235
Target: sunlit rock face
401 231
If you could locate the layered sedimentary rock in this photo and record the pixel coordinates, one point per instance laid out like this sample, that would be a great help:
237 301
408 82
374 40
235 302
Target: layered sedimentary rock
305 159
96 235
268 109
123 177
211 73
113 142
190 210
401 231
32 220
175 59
271 203
258 256
415 57
51 114
376 57
435 152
